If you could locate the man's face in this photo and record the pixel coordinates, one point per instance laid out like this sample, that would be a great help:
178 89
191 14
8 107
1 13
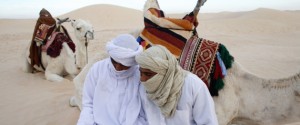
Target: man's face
146 74
118 66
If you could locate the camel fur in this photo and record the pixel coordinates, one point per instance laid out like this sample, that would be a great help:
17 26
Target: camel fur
78 81
55 68
84 32
261 101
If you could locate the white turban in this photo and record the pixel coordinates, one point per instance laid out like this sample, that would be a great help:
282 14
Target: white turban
123 49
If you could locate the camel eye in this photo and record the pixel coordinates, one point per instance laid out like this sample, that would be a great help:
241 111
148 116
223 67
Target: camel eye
78 28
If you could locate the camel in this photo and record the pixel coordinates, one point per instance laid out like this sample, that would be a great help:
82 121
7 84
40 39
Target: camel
65 63
244 95
84 32
261 101
76 100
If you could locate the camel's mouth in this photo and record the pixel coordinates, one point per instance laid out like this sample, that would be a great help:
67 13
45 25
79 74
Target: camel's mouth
89 35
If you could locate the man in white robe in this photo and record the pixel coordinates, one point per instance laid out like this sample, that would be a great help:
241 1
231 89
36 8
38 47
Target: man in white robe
110 93
171 95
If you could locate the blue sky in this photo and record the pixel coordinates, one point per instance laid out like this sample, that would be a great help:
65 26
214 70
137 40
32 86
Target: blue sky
30 8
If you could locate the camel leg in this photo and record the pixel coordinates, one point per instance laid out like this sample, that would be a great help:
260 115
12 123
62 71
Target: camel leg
26 65
70 67
69 61
53 77
76 100
78 81
72 101
227 102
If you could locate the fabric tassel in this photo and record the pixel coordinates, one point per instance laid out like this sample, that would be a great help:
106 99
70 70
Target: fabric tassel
216 79
216 85
222 65
218 70
219 84
225 56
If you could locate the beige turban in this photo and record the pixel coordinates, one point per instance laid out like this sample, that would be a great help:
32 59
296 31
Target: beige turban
165 87
123 49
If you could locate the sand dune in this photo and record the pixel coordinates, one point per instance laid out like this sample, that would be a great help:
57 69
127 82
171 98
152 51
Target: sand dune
103 16
264 41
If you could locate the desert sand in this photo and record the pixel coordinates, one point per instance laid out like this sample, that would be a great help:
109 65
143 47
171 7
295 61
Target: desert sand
264 41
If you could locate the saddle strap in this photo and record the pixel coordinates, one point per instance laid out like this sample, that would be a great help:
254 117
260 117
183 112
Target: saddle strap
50 41
66 32
40 57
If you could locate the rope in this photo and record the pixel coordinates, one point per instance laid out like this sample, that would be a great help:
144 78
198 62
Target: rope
40 57
86 44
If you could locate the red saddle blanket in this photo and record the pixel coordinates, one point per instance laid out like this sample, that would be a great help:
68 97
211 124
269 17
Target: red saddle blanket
54 44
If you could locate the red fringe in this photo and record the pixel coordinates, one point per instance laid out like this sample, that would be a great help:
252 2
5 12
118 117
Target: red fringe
218 70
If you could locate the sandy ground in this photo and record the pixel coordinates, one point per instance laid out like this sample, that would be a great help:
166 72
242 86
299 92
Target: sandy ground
266 42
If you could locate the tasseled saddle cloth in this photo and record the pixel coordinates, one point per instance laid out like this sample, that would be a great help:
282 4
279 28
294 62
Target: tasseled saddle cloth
208 60
200 56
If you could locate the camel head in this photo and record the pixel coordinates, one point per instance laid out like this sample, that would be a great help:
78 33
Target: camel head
83 30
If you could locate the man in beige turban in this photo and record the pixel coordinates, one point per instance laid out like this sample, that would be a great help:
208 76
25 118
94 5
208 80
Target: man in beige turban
171 95
110 93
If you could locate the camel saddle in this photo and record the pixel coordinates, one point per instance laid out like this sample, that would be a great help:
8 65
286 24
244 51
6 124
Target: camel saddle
44 27
207 59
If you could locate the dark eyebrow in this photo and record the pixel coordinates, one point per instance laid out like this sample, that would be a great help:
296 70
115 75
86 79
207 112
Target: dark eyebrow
113 60
147 72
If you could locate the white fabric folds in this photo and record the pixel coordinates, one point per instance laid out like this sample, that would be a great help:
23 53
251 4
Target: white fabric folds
111 97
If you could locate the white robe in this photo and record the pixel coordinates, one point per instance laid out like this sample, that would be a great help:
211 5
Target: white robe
110 97
195 106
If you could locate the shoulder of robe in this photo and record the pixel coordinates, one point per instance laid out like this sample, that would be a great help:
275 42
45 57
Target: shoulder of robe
193 83
98 66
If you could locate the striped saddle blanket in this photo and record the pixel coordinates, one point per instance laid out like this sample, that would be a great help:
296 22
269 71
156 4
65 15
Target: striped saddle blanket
169 32
207 59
